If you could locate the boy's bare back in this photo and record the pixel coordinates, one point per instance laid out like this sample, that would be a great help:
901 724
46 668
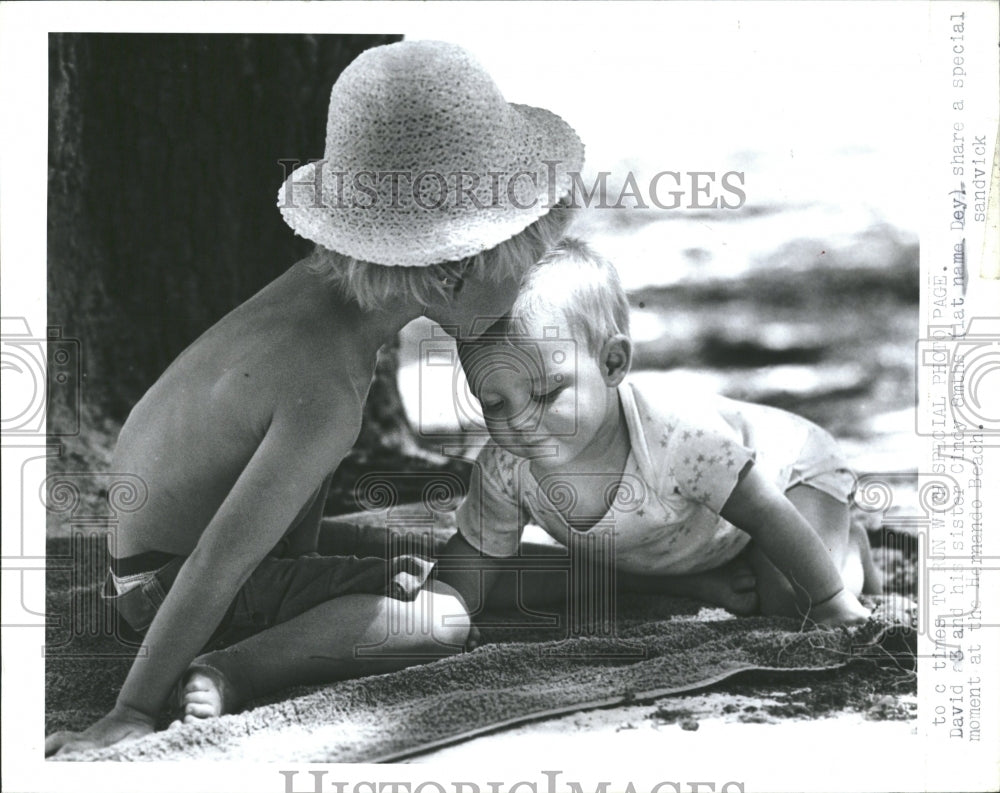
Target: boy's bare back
283 357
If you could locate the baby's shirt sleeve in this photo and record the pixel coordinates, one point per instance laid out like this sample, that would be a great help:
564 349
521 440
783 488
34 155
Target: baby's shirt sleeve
491 518
706 460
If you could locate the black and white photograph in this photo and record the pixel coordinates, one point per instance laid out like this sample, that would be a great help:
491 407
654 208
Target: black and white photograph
482 397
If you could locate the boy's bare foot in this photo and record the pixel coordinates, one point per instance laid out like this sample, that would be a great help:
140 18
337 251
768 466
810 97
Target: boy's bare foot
205 694
120 725
842 609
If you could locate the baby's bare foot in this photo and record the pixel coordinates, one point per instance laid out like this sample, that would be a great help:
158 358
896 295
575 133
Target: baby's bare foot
205 694
738 588
842 609
732 586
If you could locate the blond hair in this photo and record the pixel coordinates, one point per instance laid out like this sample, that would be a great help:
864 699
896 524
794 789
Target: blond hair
582 285
373 285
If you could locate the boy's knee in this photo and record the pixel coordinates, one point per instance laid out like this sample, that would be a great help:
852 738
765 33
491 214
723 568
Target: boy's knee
434 623
447 616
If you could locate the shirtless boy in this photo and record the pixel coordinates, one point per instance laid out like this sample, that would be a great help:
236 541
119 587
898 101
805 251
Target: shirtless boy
237 439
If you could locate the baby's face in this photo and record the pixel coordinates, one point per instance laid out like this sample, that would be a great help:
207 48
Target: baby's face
542 392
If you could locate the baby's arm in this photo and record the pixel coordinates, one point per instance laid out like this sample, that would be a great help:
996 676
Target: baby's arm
288 466
490 518
776 526
470 573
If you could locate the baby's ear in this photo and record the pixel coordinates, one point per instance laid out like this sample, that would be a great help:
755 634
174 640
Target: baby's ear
615 359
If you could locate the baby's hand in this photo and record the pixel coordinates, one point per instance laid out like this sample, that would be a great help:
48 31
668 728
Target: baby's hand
842 609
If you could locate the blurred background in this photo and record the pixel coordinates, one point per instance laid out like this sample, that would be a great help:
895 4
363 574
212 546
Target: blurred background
164 165
806 296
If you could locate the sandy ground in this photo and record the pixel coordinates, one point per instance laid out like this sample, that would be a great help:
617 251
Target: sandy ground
635 734
845 750
875 705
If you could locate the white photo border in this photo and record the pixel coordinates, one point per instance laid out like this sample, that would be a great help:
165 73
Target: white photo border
929 760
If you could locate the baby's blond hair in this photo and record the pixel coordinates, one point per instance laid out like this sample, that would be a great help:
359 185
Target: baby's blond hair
582 285
373 285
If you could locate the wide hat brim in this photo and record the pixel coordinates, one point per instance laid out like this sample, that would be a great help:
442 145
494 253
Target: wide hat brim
440 211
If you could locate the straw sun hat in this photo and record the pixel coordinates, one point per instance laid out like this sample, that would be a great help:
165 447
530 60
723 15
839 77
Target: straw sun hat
426 162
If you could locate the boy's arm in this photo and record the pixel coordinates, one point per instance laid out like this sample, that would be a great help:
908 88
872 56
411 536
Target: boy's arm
303 538
289 465
776 526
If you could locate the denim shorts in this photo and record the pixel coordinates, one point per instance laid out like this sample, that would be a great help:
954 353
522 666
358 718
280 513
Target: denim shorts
278 590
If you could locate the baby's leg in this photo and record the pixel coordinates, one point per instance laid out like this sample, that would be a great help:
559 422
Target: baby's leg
349 636
830 519
873 584
732 586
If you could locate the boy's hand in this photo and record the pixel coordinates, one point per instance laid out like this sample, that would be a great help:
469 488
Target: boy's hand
475 638
121 725
842 609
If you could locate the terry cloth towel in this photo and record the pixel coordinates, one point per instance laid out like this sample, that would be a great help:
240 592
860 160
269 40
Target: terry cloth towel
661 646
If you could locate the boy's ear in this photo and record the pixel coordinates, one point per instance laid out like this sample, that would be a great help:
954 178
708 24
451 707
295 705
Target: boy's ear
615 359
